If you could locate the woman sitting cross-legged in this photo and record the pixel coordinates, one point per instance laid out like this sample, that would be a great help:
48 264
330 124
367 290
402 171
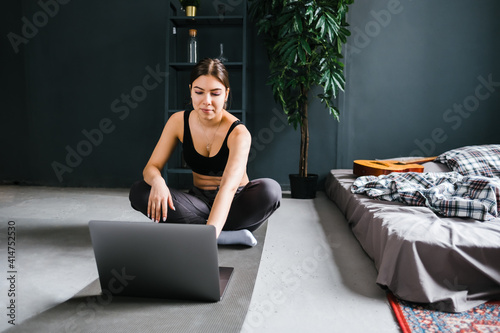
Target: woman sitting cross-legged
216 146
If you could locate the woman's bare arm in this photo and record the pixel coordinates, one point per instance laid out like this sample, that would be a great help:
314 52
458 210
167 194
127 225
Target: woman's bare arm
239 143
160 198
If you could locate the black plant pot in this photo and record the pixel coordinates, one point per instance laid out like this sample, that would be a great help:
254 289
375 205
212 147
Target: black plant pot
303 187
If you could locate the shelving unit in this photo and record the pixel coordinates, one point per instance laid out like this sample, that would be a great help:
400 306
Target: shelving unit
213 29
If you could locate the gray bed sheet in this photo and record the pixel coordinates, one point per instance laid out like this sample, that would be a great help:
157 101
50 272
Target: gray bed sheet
453 264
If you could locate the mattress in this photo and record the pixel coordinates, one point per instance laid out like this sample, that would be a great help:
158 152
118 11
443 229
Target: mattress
450 263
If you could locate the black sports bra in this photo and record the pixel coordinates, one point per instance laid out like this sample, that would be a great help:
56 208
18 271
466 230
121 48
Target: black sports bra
209 166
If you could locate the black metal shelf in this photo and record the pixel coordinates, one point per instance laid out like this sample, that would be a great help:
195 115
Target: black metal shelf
230 30
235 111
186 66
179 170
185 21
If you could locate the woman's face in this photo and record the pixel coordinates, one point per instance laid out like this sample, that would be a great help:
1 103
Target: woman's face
208 95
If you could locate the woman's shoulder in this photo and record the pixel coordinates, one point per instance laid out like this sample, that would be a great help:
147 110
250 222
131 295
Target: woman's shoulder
174 125
239 131
176 117
231 118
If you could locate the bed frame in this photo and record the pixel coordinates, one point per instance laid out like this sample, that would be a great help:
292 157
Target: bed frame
450 263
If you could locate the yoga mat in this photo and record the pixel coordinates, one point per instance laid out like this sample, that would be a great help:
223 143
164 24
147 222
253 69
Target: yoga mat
88 311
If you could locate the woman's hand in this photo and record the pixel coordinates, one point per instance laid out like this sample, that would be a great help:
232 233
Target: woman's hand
159 200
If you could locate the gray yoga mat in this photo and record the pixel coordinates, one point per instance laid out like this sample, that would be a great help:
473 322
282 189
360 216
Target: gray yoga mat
88 311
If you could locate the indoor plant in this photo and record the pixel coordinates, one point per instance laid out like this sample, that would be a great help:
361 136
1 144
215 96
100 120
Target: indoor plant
304 40
190 6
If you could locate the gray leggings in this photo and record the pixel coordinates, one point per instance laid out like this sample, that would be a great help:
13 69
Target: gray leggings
251 206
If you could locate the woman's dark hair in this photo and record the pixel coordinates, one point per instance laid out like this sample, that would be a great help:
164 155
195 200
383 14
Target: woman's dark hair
212 67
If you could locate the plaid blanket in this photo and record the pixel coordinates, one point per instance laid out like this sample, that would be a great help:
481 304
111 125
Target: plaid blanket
447 194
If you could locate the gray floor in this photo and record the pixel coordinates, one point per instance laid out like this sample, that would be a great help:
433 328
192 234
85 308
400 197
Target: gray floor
314 276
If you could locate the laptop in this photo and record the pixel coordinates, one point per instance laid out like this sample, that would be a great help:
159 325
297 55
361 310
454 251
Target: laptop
158 260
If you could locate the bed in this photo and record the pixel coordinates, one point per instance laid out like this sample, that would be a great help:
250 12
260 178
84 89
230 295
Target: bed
450 263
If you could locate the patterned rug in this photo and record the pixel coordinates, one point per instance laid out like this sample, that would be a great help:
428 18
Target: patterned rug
414 318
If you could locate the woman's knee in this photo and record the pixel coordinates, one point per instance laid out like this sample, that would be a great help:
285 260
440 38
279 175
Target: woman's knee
265 192
139 194
271 190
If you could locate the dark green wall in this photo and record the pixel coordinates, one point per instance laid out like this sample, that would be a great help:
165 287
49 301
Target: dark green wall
80 62
415 73
410 65
82 83
13 112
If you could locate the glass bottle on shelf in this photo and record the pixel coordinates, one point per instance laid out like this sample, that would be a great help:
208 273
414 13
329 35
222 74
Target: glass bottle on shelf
192 47
221 56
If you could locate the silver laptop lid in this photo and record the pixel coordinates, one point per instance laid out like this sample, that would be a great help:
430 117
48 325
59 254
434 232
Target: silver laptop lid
142 259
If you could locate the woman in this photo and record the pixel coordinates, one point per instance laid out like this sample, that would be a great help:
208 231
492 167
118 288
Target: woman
216 147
